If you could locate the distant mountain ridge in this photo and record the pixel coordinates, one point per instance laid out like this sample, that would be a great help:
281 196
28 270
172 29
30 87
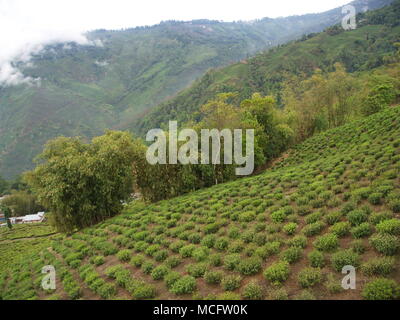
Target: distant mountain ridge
86 89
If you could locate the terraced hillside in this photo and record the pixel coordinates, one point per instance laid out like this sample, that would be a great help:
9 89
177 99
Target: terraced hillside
285 234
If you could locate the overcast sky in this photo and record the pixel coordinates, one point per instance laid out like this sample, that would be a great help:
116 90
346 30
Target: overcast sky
27 25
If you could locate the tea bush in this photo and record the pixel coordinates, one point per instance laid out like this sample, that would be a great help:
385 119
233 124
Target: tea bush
381 289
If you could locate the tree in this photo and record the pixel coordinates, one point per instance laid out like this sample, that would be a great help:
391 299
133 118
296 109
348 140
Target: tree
83 184
22 203
7 214
3 186
320 102
275 135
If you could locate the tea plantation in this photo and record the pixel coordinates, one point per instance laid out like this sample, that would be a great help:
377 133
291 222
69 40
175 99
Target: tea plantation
285 234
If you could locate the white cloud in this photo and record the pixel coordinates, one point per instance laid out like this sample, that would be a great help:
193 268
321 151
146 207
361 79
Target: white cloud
27 26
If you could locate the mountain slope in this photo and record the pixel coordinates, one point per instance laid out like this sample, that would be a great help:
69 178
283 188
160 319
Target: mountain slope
85 89
358 50
333 202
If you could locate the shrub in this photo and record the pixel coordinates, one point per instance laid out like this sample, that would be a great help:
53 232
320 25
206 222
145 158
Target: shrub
278 216
215 260
144 291
173 261
221 244
112 271
124 255
358 246
357 217
292 254
278 294
327 242
249 266
317 259
375 198
332 284
309 277
247 216
231 261
378 217
304 210
213 277
361 231
290 228
391 226
253 291
230 296
159 272
313 229
187 251
379 266
333 217
208 241
184 285
298 241
147 267
97 260
305 295
345 258
196 270
268 250
277 272
107 290
231 283
341 229
394 205
236 246
200 254
171 277
137 260
160 255
381 289
386 244
259 239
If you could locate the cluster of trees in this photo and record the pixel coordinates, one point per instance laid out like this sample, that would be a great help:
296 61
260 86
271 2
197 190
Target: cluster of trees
22 203
85 183
272 136
20 200
3 186
328 100
82 184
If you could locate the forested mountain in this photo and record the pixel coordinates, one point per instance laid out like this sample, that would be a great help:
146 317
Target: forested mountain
362 49
86 89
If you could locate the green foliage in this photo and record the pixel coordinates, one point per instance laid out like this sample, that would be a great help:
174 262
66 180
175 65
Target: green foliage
184 285
124 255
317 259
345 258
309 277
213 277
249 266
327 242
391 226
231 283
385 243
379 266
22 203
277 273
292 255
65 185
253 291
381 289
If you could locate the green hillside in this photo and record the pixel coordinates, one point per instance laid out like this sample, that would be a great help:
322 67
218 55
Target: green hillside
86 89
285 234
358 50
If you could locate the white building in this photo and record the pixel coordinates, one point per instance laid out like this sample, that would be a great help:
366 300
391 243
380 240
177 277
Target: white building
31 218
